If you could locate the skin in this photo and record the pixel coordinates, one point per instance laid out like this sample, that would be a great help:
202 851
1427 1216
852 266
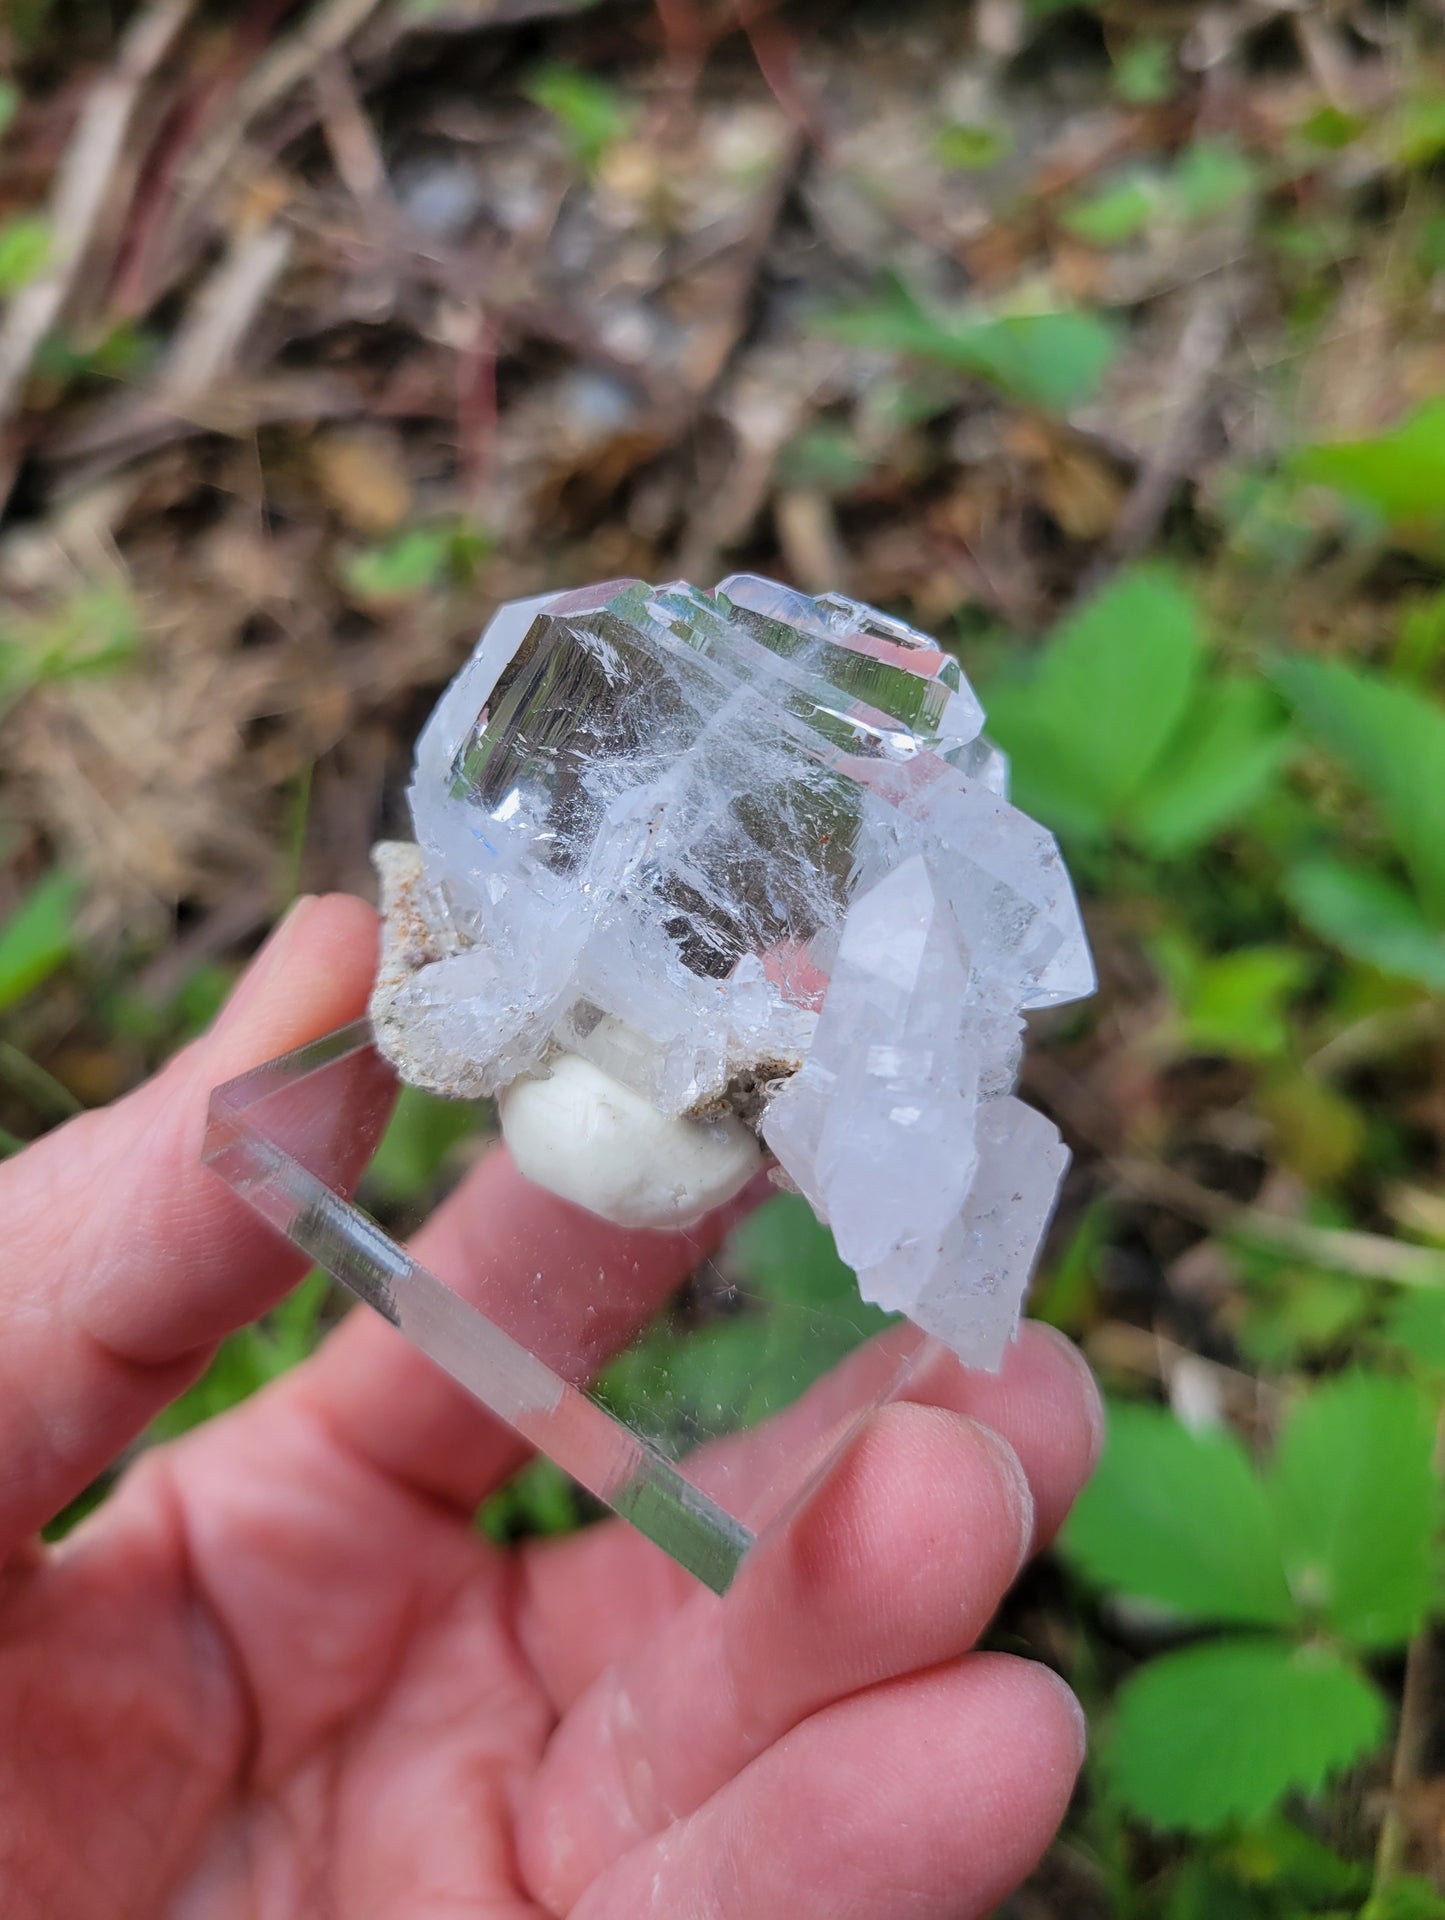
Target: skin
279 1676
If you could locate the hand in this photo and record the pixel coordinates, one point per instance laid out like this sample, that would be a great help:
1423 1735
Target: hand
278 1675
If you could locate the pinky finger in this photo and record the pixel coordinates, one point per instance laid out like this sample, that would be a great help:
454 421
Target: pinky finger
929 1798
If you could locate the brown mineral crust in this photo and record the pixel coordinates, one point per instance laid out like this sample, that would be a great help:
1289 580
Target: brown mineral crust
746 1093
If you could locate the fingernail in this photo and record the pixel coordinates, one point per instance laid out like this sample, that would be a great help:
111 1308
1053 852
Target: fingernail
268 963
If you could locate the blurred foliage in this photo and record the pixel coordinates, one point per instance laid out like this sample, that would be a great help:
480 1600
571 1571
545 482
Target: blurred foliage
1053 358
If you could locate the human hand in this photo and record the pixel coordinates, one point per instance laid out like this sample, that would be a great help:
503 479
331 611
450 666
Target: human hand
278 1674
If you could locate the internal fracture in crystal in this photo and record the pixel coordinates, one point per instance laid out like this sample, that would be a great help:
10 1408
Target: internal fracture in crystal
748 854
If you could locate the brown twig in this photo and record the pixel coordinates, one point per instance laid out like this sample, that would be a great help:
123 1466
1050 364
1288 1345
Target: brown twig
1412 1737
325 31
1202 347
1339 1250
84 179
223 312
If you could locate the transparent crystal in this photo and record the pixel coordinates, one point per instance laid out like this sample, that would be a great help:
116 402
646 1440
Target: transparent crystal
749 847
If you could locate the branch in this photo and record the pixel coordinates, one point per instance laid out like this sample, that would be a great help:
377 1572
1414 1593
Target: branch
82 183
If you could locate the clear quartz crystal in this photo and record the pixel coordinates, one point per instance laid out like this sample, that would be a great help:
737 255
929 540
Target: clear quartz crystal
750 846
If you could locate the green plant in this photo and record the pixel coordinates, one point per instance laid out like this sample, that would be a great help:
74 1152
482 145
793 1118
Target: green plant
1125 726
593 115
1318 1561
94 630
1233 1003
38 937
1399 473
971 147
1209 178
760 1348
1391 738
416 562
1052 358
24 250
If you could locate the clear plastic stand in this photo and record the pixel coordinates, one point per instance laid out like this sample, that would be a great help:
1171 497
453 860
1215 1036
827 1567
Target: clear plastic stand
701 1444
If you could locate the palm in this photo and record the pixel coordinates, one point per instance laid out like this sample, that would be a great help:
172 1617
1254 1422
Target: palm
281 1676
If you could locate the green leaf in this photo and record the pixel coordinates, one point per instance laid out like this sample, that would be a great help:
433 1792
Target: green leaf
785 1255
1407 1899
1180 1518
1203 1890
416 562
1400 473
1055 359
1416 1322
39 937
1115 681
24 250
1115 213
422 1133
594 115
93 631
1368 917
970 147
1419 133
1144 73
1215 768
1211 177
1208 178
796 1313
1222 1732
1332 127
9 104
1358 1502
1276 1854
541 1499
1392 738
1236 1004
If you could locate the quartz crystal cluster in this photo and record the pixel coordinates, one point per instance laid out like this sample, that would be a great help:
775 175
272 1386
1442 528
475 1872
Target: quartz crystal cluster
747 854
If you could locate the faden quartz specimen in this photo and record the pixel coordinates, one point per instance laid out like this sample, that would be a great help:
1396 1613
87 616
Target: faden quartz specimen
747 853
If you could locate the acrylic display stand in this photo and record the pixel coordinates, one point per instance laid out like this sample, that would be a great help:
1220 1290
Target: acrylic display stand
714 1422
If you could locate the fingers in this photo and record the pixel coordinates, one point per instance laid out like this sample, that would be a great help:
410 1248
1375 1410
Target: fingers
1043 1400
597 1598
927 1798
897 1564
567 1285
126 1260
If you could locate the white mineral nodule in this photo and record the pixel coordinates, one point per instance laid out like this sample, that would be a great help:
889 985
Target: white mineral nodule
695 870
583 1135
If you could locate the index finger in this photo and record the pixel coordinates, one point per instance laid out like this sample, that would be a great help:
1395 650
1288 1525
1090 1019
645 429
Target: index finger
126 1260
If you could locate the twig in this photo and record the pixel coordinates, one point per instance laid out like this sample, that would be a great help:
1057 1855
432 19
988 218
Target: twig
84 179
324 32
1377 1035
222 313
1340 1250
1202 346
353 143
31 1081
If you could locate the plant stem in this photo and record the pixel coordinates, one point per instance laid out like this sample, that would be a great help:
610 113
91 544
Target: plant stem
1416 1715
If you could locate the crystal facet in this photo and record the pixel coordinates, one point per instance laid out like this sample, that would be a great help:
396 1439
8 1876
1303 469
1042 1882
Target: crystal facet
747 853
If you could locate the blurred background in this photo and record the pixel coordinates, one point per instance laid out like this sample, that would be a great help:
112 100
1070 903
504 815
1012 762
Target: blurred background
1105 341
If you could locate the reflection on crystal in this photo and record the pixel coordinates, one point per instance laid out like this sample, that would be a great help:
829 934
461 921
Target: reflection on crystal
748 850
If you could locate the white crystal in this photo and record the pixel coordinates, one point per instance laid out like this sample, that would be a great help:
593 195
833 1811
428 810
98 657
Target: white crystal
747 852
